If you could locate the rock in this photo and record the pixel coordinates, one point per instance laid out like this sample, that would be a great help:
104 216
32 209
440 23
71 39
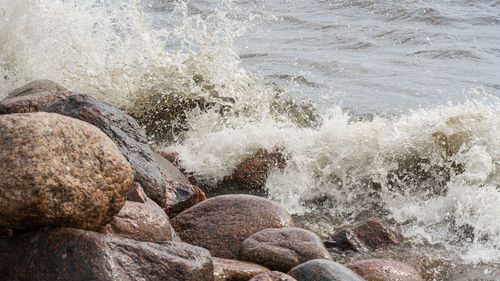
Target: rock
35 87
252 173
384 270
233 270
173 157
141 221
170 171
78 255
221 223
273 276
137 194
323 270
282 248
5 232
31 103
181 197
59 171
367 236
125 132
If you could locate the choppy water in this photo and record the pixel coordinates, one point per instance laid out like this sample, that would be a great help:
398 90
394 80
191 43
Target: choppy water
407 91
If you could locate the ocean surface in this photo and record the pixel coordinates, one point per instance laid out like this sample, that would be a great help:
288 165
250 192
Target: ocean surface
383 108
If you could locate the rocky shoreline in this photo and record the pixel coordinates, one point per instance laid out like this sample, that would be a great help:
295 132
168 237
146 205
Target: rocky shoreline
85 197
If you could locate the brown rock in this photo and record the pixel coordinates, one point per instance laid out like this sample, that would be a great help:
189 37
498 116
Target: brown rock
31 103
59 171
233 270
384 270
252 173
78 255
125 132
137 194
221 223
37 86
140 221
323 270
282 248
170 170
367 236
182 196
273 276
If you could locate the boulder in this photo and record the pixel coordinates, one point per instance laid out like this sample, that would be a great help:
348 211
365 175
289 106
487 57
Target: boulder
252 173
282 248
37 86
323 270
79 255
384 270
59 171
31 103
181 196
125 132
221 223
169 170
366 236
141 221
273 276
233 270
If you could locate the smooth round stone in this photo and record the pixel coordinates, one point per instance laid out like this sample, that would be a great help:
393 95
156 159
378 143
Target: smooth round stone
323 270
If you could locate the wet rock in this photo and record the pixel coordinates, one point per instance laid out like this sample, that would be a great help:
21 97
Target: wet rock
31 103
73 254
282 248
323 270
252 173
367 236
233 270
37 86
141 221
182 196
59 171
273 276
170 171
125 132
137 194
221 223
384 270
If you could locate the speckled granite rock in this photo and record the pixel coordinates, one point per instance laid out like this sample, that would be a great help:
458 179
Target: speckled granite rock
323 270
141 221
181 196
78 255
366 236
282 248
273 276
59 171
35 87
233 270
125 132
31 103
221 223
252 173
384 270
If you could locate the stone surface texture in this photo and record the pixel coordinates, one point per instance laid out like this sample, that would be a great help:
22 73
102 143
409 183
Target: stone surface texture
31 103
366 236
273 276
125 132
282 248
170 171
181 196
78 255
35 87
59 171
252 173
233 270
221 223
323 270
384 270
137 194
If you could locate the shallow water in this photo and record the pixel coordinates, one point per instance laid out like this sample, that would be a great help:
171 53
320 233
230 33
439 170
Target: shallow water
407 93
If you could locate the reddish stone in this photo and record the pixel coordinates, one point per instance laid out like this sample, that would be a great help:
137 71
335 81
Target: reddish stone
252 173
384 270
221 223
233 270
273 276
31 103
182 196
367 236
137 194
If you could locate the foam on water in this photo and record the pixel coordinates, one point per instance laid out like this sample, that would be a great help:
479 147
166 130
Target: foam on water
433 172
